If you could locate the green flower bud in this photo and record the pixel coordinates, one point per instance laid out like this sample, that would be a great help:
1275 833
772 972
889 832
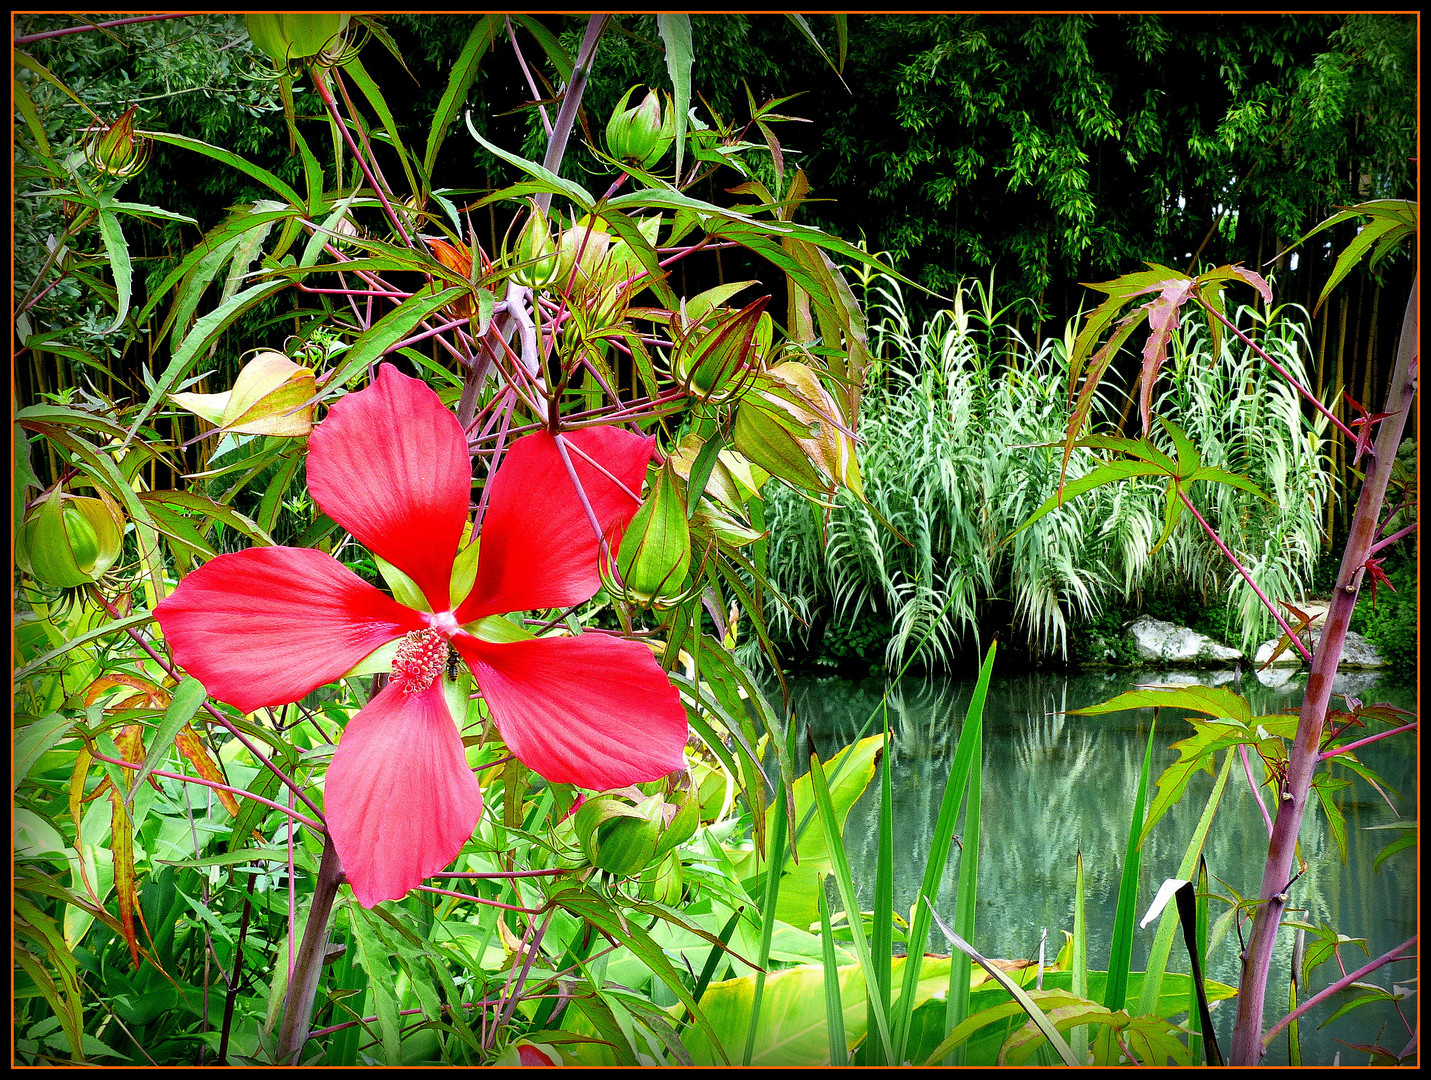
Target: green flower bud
116 151
642 135
581 254
290 37
618 837
70 541
714 358
662 882
537 262
655 553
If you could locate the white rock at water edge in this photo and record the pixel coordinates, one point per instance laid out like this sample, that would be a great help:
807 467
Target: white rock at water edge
1168 643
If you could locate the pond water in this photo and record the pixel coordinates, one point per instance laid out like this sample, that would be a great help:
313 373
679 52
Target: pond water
1055 784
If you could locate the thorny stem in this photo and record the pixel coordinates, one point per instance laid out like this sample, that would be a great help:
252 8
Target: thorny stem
1248 1046
1237 565
1336 987
303 986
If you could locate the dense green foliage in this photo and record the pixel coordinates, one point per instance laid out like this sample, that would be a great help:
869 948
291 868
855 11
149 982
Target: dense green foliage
961 428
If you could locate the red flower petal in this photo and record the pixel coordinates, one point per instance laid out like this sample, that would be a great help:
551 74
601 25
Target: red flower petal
399 796
538 548
595 711
528 1054
267 625
390 465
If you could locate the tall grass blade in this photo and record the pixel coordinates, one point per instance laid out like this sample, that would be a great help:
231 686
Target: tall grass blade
1163 940
841 863
1195 1044
1078 1037
1125 919
1042 1022
949 807
834 1003
881 938
957 1006
775 866
1187 915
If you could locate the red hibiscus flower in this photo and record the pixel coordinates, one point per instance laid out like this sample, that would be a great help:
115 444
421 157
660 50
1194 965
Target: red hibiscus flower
266 626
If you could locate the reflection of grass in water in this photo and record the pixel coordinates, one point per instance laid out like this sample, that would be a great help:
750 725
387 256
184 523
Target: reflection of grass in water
1055 783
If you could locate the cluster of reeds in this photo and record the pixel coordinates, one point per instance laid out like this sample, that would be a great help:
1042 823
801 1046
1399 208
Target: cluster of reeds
959 438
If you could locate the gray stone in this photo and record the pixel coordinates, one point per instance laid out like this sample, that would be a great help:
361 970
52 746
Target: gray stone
1167 643
1360 653
1290 656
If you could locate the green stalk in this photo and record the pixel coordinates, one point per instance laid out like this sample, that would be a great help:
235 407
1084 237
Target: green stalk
828 822
1078 1037
834 1001
881 938
1120 957
960 969
1163 940
775 866
949 808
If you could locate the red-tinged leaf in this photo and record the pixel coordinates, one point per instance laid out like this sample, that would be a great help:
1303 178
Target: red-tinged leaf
77 801
1377 575
148 696
1098 367
1138 448
126 887
1256 280
1162 321
197 754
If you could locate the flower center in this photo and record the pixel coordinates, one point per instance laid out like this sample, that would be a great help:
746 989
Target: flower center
420 659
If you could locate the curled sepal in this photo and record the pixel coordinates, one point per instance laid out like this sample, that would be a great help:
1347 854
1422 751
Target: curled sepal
290 38
623 833
116 150
271 396
655 554
69 541
716 358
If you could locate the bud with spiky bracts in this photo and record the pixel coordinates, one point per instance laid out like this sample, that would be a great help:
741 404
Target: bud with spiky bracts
70 541
116 150
641 135
537 263
715 358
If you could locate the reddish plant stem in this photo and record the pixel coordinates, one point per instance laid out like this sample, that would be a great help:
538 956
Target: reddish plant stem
1393 537
1248 1046
303 986
1311 398
478 899
223 720
1362 742
1252 785
320 83
97 26
1341 984
217 787
1237 565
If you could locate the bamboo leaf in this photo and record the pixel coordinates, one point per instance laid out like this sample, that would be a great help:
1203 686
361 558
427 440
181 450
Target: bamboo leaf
1120 956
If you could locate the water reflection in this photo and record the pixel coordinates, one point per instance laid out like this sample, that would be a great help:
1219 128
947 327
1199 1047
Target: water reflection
1056 784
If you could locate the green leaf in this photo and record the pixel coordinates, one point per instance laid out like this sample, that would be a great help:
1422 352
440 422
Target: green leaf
1125 918
117 252
676 34
1025 1002
379 338
578 195
227 157
832 827
34 740
188 696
